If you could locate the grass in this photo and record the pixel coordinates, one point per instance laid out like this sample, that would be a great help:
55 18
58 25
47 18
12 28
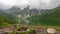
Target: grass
46 27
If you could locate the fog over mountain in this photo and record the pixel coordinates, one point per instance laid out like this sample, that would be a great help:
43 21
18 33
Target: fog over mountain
43 4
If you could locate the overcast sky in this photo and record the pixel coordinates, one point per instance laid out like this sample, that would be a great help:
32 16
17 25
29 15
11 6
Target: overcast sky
43 4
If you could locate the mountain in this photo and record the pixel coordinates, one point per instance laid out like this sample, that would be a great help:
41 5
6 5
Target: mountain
25 11
14 10
5 14
17 11
51 18
6 19
34 11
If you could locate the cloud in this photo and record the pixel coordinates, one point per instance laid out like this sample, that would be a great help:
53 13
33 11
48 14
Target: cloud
6 4
51 5
22 3
43 4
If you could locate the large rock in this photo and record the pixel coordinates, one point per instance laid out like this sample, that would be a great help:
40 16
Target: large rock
51 30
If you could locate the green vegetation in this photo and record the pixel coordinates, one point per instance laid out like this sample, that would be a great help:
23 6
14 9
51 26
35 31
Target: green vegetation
26 32
4 22
50 18
13 32
29 32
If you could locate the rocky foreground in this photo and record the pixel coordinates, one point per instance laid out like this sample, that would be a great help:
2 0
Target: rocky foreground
13 30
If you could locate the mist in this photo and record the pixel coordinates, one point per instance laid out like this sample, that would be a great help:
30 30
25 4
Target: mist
42 4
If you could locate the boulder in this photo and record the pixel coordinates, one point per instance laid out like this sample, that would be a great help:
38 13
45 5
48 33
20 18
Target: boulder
51 30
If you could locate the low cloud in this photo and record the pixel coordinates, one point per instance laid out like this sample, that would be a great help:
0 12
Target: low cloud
43 4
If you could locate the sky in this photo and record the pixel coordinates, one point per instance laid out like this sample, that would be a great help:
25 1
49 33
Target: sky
38 4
